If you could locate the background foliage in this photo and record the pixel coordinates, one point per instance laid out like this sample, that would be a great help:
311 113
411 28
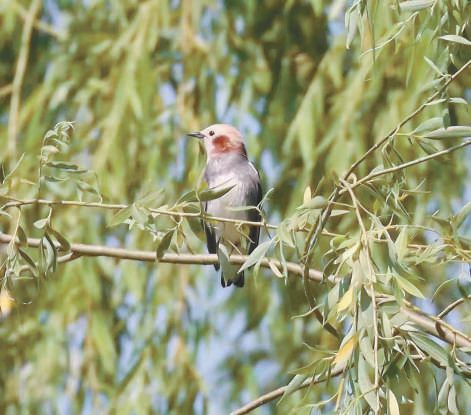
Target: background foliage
312 85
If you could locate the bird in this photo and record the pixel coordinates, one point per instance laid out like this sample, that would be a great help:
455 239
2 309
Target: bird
227 166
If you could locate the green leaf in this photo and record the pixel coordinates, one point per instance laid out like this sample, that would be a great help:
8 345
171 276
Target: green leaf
458 100
164 243
460 217
366 386
212 194
63 165
456 39
27 258
65 245
294 385
428 125
458 131
41 223
414 5
257 255
407 286
21 235
139 214
430 347
284 235
317 202
120 216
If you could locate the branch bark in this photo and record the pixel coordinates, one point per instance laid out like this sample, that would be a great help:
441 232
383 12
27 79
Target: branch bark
274 394
430 324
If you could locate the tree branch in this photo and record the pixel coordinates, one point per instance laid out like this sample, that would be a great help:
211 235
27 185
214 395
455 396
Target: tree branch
274 394
170 258
319 225
430 324
402 166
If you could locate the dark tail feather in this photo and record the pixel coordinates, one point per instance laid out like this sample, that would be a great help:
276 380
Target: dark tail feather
238 281
223 282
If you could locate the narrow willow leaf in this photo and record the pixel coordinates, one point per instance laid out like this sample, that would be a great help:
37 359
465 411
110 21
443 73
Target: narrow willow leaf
458 131
429 125
120 216
456 39
284 235
462 215
257 255
139 214
458 100
367 351
164 244
27 258
338 212
188 197
401 244
21 235
345 350
366 386
65 245
275 269
317 202
293 385
414 5
41 223
212 194
63 165
407 286
430 347
346 300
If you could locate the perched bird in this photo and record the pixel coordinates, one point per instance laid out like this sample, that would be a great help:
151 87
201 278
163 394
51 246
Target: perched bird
227 165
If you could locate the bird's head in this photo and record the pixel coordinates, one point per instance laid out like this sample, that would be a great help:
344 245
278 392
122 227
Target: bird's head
220 139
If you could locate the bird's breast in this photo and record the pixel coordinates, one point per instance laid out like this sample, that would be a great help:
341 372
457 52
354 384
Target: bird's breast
223 207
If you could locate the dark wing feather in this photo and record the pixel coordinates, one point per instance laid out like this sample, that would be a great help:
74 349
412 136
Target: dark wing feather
254 216
210 238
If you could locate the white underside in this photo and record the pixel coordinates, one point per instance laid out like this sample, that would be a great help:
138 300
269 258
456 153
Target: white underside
236 197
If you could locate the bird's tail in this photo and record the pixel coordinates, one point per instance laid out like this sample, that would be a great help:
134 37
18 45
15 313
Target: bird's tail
229 274
238 280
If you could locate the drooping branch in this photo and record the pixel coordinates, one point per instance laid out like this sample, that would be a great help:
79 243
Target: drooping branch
430 324
277 393
318 226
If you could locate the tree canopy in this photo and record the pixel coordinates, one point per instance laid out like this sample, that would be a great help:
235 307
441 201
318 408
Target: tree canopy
356 113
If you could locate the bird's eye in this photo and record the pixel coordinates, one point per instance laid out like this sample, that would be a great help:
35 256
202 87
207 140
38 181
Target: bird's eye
211 133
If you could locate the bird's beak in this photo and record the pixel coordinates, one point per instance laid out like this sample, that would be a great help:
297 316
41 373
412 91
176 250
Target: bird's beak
196 134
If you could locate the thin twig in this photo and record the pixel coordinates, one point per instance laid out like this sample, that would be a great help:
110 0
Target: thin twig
371 280
19 77
426 322
319 225
156 211
368 178
277 393
38 24
171 258
453 305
